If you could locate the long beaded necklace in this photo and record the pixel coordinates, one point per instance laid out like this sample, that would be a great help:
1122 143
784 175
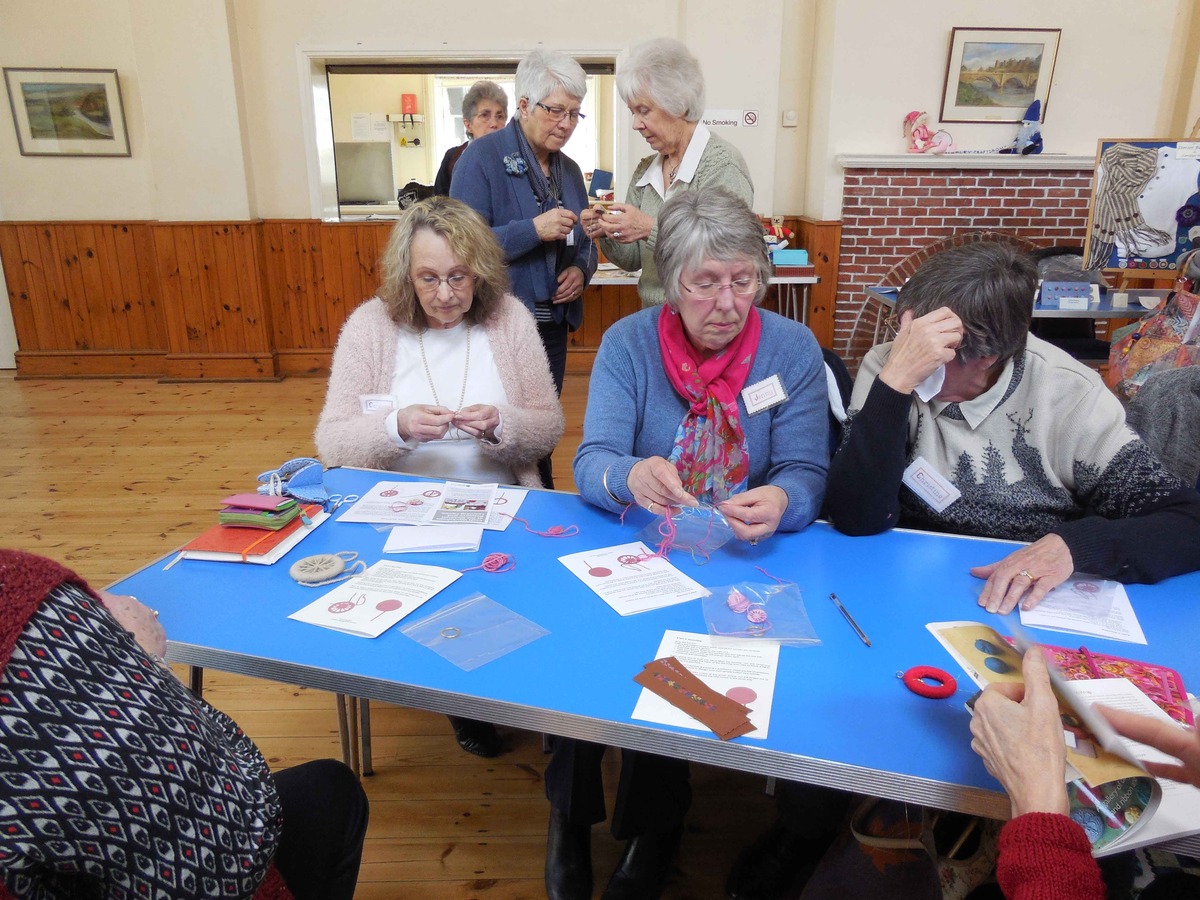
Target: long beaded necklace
466 369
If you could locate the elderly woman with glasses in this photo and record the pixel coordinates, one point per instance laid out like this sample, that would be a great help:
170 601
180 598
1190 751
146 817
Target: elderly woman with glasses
967 423
442 374
661 83
531 193
484 110
706 399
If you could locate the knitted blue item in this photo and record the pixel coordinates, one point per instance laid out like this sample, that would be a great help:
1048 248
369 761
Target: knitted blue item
302 478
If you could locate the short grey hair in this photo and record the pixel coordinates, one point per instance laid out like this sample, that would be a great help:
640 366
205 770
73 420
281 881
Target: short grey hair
544 71
663 71
483 92
989 285
708 223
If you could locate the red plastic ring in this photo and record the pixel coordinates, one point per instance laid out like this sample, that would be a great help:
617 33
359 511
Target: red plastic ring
917 680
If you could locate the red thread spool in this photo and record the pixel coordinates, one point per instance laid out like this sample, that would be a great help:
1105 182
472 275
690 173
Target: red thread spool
917 680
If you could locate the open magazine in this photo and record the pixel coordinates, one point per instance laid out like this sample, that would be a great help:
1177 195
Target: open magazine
1116 801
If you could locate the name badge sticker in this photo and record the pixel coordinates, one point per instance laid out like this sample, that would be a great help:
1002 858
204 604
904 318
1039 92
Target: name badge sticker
373 403
929 484
763 395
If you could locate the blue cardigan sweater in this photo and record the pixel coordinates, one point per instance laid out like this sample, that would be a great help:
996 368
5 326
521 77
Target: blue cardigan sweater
633 413
508 204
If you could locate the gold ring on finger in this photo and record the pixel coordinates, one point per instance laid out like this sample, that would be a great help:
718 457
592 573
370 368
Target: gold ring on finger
1026 574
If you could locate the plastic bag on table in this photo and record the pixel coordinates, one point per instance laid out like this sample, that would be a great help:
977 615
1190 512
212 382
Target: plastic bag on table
773 612
473 631
700 530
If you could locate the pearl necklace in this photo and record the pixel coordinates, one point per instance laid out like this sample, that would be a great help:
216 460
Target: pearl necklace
466 368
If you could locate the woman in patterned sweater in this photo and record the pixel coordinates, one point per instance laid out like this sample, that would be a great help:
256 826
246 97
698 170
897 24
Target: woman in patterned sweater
118 782
966 423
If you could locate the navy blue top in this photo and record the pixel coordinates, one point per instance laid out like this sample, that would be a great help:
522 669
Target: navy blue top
507 202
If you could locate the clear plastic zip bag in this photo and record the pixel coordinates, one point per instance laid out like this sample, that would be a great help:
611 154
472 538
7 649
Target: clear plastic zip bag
772 612
473 631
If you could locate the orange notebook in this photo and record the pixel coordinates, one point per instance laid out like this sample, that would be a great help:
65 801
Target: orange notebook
224 543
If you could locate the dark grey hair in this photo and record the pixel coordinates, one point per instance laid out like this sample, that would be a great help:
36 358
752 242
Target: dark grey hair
543 71
989 285
663 71
483 92
708 223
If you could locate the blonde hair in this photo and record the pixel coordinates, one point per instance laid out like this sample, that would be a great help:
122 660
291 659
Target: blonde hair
472 243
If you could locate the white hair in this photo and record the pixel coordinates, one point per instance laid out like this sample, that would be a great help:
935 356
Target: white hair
665 72
544 71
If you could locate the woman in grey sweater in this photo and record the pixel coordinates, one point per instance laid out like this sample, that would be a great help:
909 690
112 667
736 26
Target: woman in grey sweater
661 83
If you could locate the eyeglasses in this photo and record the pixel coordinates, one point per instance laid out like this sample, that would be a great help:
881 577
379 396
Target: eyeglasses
558 113
458 281
710 290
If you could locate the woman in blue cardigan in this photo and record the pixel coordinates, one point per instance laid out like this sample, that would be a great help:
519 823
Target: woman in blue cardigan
706 399
532 193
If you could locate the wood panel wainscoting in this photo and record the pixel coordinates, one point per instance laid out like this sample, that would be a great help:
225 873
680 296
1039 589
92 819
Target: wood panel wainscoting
253 300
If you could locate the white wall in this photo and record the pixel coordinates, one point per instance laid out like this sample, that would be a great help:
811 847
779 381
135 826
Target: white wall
8 331
740 55
1116 75
74 34
216 93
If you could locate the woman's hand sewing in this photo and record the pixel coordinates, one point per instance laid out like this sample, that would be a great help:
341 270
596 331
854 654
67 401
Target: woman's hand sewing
422 423
655 485
480 421
754 514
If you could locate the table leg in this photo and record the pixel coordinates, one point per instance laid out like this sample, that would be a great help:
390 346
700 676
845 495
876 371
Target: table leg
352 729
196 681
343 729
364 706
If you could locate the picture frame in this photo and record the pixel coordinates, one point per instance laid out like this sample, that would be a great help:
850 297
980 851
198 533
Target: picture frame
67 112
994 74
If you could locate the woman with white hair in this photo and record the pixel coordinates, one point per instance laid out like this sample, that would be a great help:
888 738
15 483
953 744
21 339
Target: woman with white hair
668 424
484 110
661 83
531 193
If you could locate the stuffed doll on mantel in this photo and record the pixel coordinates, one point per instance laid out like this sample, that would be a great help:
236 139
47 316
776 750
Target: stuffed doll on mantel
921 139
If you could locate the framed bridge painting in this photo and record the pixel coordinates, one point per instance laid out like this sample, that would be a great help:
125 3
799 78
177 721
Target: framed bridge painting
993 74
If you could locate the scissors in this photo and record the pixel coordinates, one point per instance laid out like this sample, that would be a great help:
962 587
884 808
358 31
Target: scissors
336 500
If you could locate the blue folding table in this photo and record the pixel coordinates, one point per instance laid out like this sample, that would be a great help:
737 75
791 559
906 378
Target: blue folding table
841 716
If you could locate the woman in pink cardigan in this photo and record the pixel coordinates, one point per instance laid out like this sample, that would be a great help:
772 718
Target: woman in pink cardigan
443 374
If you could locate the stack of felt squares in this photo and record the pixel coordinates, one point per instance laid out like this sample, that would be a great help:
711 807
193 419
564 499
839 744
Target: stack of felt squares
258 511
671 680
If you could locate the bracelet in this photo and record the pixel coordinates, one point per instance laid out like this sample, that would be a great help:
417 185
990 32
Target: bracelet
604 481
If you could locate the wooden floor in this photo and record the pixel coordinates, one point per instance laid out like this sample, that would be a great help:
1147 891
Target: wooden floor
106 475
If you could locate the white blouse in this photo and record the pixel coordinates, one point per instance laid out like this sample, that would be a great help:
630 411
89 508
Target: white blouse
446 375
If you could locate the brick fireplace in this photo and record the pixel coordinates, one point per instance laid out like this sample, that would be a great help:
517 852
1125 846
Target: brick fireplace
896 210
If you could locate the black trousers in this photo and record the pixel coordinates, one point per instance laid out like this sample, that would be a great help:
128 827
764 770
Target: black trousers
554 339
654 793
324 822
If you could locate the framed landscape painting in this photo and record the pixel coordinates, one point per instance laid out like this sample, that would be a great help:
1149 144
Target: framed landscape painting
67 112
993 74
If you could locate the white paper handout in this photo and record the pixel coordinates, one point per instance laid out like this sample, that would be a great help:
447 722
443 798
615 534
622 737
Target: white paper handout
1086 605
629 583
741 670
371 603
433 540
396 503
421 503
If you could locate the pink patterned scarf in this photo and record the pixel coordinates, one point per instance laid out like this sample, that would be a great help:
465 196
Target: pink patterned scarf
710 447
